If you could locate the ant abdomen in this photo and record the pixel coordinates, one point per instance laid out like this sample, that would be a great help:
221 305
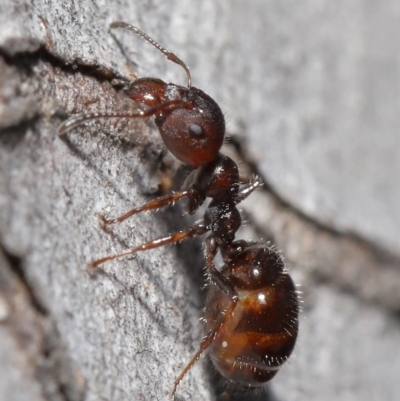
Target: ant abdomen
260 334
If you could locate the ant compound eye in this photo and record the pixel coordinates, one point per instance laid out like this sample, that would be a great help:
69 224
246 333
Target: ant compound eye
195 130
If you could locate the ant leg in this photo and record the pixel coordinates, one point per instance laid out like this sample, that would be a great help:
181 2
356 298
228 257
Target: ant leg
223 283
78 119
206 342
211 249
249 186
196 231
154 204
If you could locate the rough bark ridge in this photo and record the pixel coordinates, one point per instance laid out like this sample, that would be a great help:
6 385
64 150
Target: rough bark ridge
125 334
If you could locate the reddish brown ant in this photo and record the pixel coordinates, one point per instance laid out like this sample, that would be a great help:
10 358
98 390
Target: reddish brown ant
251 311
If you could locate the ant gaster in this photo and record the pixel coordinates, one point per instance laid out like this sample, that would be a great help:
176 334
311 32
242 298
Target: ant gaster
251 311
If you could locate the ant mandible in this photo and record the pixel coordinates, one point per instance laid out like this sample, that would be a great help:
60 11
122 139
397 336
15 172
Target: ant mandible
251 311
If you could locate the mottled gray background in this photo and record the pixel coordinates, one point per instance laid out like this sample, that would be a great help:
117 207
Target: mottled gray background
311 93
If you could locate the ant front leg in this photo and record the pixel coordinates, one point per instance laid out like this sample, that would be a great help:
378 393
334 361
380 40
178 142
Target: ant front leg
154 204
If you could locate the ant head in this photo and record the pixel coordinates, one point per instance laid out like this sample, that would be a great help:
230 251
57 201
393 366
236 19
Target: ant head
190 122
193 130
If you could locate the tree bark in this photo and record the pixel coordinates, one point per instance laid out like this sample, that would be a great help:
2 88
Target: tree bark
126 333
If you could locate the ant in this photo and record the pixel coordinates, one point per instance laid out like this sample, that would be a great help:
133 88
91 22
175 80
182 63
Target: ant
251 310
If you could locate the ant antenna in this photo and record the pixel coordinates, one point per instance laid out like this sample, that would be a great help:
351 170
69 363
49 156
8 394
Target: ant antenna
170 56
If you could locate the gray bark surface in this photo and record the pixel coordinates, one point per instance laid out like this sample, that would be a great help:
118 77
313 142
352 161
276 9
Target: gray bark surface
311 93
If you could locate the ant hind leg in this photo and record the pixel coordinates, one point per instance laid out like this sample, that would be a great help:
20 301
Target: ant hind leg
223 283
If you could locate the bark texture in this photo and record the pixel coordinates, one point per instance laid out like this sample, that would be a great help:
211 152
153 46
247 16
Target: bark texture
311 95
